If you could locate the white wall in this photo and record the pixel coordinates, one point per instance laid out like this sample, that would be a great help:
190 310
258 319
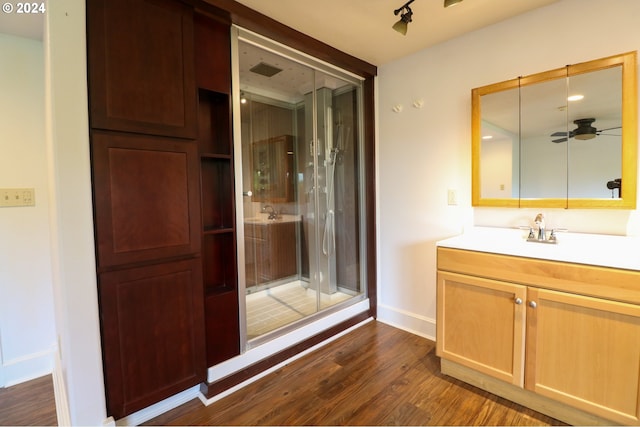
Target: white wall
424 152
81 385
27 330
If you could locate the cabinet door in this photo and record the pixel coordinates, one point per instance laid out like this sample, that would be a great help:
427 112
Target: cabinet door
480 324
152 333
584 352
213 53
146 198
141 66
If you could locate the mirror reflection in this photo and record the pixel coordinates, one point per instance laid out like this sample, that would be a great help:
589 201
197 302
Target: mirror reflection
556 138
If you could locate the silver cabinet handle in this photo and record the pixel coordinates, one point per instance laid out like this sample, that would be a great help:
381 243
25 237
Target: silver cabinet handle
533 304
518 301
247 193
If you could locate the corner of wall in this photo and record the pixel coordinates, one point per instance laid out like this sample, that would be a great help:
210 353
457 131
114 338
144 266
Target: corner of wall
407 321
60 392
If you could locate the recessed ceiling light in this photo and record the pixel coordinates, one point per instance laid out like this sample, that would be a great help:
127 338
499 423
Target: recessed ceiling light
575 97
487 137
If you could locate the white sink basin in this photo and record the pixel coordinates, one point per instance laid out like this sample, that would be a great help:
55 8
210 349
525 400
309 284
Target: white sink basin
593 249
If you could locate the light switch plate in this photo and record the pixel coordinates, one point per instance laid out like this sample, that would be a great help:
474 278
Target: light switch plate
12 197
452 197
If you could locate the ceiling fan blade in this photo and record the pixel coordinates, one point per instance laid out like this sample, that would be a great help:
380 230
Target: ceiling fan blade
559 140
559 134
604 130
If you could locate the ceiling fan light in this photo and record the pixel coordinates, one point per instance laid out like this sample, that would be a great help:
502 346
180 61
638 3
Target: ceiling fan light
586 135
449 3
584 130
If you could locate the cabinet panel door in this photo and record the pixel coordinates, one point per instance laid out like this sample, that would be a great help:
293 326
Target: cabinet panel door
146 198
153 333
141 66
480 324
222 327
213 53
585 352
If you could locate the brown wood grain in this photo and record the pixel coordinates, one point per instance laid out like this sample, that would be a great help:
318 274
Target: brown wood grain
375 375
30 403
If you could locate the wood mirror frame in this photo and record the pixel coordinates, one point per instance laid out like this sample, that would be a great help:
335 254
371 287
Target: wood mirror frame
627 199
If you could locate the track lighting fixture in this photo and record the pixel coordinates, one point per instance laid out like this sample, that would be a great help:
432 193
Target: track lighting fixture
449 3
405 18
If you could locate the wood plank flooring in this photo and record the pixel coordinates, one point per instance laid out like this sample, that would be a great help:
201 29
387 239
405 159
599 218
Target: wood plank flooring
375 375
31 403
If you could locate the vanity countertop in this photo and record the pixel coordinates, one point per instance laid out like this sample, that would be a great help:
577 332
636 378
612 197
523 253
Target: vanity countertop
263 219
592 249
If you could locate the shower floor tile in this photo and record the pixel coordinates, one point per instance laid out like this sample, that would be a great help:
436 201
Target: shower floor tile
272 308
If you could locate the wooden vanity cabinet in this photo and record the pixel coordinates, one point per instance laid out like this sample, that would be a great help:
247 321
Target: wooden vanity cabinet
270 251
573 356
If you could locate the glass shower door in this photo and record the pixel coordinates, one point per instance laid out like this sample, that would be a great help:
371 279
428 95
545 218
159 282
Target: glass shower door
300 182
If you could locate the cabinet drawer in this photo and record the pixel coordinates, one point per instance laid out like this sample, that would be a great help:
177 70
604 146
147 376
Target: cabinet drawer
602 282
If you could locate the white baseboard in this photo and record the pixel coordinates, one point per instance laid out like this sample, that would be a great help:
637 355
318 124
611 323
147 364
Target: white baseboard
156 409
27 367
60 391
407 321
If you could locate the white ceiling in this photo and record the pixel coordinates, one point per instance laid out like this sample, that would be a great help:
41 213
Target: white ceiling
30 26
362 28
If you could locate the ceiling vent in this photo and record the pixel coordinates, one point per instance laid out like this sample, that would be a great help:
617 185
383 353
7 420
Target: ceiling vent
265 70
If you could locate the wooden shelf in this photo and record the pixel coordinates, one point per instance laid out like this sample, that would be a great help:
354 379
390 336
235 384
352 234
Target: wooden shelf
220 230
216 156
215 147
214 123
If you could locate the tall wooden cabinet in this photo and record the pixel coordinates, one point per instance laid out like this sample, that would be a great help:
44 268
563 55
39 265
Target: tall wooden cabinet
159 85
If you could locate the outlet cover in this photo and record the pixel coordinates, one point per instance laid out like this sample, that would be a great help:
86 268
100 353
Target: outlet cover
16 197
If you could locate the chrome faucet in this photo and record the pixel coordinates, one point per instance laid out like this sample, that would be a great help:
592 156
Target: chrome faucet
538 233
541 227
273 214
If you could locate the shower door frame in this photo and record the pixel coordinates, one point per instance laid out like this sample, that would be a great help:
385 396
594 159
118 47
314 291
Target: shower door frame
364 215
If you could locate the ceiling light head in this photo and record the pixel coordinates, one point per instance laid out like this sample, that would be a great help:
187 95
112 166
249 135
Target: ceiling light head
402 25
449 3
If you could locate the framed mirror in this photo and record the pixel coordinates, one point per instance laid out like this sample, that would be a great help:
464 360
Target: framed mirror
272 169
562 138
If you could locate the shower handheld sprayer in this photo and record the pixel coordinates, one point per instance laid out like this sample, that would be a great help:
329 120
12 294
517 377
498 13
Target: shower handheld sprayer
329 236
333 152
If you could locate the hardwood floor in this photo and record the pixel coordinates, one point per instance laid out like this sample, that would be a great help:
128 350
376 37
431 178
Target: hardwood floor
28 404
375 375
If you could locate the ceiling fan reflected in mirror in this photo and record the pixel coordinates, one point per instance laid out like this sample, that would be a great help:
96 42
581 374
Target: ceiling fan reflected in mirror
583 131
